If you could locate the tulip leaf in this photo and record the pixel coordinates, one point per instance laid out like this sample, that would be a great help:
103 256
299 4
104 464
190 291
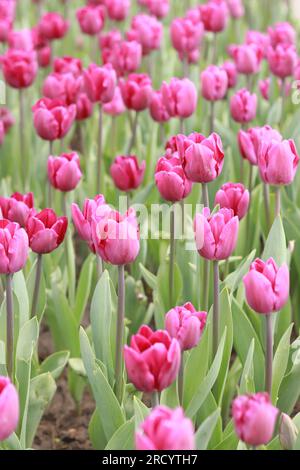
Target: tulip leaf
150 278
275 246
289 390
96 432
234 279
140 411
83 287
247 384
55 363
30 281
123 438
206 429
280 362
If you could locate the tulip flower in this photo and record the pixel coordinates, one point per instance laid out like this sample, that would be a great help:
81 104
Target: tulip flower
288 432
247 58
236 8
52 119
158 110
282 60
282 33
180 98
46 231
152 360
14 253
116 106
7 119
91 19
261 40
216 237
125 56
67 64
158 8
243 106
17 208
171 181
254 418
214 86
9 408
152 433
231 71
53 26
92 208
126 172
267 291
20 39
147 31
249 141
214 15
117 9
116 240
64 172
233 196
136 92
186 37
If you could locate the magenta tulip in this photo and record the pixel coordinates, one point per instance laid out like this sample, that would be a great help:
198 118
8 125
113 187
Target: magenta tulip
116 106
52 119
9 408
214 83
91 19
180 97
64 172
19 68
13 248
247 58
233 196
46 231
243 106
100 83
278 161
170 178
127 173
231 71
117 9
157 108
282 60
17 208
214 15
147 31
282 33
249 141
53 26
136 91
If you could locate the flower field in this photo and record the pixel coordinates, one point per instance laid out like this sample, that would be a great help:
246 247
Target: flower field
149 225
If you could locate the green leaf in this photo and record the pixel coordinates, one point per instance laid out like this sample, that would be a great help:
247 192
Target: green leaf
77 366
275 246
123 438
275 113
169 396
96 432
150 278
112 416
12 443
280 362
101 316
55 363
83 288
205 431
234 279
247 384
20 291
163 285
140 411
30 281
289 390
208 382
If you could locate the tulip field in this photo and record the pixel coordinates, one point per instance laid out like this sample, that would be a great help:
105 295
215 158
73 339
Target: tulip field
149 225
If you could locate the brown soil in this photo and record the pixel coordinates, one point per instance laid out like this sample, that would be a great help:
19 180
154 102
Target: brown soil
62 426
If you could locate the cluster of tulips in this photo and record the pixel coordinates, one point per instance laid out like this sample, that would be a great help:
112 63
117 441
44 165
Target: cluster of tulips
119 81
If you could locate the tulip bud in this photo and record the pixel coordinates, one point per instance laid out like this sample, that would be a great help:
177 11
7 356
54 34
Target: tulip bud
147 31
9 408
288 432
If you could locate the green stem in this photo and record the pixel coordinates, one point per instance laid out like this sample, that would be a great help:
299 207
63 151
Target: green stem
172 256
99 153
205 196
99 266
216 308
283 97
181 126
37 283
133 135
9 325
278 201
267 205
269 353
180 381
120 333
215 48
154 399
212 117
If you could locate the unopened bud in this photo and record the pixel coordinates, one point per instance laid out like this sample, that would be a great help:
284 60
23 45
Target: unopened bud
288 432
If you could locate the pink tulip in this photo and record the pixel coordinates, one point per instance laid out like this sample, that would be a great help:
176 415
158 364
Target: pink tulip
282 60
116 237
247 58
180 97
21 40
92 208
233 196
186 36
283 34
44 56
214 83
136 91
158 8
249 141
7 16
259 39
125 56
231 72
194 15
67 64
236 8
6 118
17 208
202 158
64 172
13 249
9 408
254 418
214 15
53 26
116 106
117 9
152 360
264 88
100 83
186 325
107 41
158 109
267 286
243 106
166 429
170 178
220 233
46 231
52 119
19 68
84 107
2 133
278 161
126 172
146 30
91 19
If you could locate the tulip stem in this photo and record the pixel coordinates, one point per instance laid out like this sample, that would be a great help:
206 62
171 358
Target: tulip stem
278 201
212 117
133 135
283 95
49 184
205 196
181 126
185 67
113 135
269 353
154 399
99 266
9 325
267 204
250 179
215 48
216 308
180 381
99 153
36 285
172 255
22 137
120 333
